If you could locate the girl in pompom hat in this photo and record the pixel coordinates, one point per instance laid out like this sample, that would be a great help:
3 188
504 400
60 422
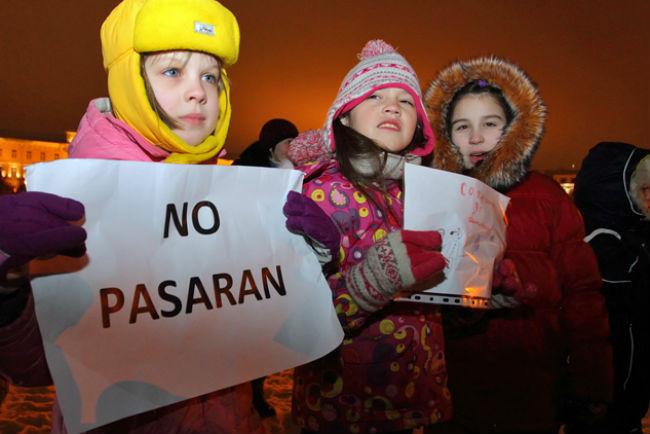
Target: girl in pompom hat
506 365
169 102
389 374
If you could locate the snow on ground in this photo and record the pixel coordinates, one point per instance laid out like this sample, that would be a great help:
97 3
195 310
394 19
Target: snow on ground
26 410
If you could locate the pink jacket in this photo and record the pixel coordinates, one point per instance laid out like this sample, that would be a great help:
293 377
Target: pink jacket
101 135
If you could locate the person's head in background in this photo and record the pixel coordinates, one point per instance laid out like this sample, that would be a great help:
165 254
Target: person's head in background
613 185
478 117
166 63
274 137
270 150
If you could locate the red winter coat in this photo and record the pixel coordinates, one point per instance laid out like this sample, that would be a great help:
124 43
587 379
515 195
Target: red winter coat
506 370
22 359
507 367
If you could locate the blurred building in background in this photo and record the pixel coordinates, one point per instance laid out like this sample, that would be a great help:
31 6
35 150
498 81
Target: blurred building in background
566 178
15 154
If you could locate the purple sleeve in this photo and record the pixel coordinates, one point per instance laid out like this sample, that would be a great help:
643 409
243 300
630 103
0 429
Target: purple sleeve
22 357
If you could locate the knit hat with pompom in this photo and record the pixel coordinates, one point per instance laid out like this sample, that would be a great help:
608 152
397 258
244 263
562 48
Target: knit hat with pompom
380 66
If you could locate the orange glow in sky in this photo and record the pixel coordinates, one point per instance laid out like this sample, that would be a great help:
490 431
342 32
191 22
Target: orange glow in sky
590 59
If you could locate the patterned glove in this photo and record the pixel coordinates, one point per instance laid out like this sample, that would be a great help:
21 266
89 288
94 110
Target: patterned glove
305 217
394 263
507 290
36 224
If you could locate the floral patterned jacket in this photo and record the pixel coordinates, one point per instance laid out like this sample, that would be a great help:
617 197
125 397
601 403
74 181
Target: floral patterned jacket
389 373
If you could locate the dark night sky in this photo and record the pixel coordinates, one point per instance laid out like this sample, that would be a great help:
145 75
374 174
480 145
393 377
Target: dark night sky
590 59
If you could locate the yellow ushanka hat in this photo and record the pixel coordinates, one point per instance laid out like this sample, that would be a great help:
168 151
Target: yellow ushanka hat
143 26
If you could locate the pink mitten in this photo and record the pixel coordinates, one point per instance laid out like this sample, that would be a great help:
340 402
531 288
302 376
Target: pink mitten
393 264
505 277
507 289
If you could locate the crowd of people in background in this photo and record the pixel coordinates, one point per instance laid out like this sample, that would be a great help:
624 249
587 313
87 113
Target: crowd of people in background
566 345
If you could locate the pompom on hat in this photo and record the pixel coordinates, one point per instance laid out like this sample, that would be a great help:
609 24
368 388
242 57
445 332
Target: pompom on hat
380 66
137 27
307 147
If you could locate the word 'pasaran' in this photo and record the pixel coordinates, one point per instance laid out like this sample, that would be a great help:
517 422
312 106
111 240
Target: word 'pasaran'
113 299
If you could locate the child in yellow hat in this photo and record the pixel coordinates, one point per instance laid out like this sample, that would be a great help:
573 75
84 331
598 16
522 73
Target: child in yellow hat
169 93
169 102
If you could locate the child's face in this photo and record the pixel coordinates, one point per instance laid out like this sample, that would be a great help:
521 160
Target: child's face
388 116
281 150
477 124
187 85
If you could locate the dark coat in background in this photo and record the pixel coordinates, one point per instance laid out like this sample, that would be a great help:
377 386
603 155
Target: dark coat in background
620 237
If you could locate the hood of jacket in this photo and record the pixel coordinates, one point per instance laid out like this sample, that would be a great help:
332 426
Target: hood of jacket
602 186
509 162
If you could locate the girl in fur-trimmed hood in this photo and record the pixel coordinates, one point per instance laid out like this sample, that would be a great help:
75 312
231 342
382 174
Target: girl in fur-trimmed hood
509 162
506 366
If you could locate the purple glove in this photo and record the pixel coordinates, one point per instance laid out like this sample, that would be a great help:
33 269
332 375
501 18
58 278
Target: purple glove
35 224
305 217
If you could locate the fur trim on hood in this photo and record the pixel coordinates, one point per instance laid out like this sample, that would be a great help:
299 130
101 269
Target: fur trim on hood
509 162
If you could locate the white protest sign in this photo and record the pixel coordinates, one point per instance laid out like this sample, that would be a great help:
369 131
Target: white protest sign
471 219
191 284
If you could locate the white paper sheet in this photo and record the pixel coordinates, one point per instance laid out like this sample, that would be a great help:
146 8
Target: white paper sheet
236 298
471 218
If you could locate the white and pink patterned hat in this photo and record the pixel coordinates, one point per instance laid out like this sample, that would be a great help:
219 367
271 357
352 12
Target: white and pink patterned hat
380 66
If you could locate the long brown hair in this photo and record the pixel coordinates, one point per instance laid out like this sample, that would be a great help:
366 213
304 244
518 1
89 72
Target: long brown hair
352 145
